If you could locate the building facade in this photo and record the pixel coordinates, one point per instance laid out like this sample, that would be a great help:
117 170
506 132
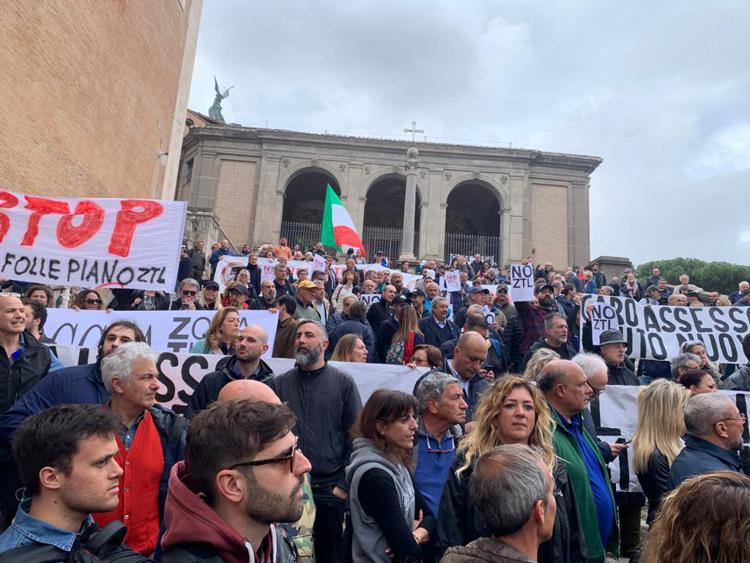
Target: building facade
94 95
503 202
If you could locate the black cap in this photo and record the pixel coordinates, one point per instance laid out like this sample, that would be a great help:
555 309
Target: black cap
479 289
417 292
241 289
211 284
400 300
545 286
611 337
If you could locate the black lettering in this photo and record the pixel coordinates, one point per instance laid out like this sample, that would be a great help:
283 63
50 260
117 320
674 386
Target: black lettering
74 266
57 337
717 316
195 332
20 270
695 313
181 322
93 328
658 350
737 314
651 322
631 312
728 348
665 314
54 269
169 392
143 272
108 271
679 315
93 271
9 258
161 279
125 276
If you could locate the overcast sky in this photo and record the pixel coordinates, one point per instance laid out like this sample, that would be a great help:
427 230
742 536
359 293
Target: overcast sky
659 90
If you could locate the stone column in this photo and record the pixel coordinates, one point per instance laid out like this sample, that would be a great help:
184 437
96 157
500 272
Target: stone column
410 203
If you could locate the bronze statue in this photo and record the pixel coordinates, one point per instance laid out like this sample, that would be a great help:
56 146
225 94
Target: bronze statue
214 112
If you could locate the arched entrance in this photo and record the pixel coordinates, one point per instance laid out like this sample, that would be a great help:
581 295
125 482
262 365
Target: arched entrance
384 217
304 198
472 221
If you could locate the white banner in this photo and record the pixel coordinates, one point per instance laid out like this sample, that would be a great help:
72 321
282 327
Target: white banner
173 331
91 242
180 373
227 269
522 282
603 317
656 332
616 416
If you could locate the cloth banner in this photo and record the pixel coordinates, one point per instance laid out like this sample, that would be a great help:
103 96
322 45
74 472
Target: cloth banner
227 269
165 331
656 332
616 416
522 282
91 242
180 373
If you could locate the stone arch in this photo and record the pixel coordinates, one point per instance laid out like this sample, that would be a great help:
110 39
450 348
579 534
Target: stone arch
383 214
304 199
473 218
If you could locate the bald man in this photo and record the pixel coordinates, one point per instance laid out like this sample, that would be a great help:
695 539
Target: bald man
245 363
301 531
567 390
469 356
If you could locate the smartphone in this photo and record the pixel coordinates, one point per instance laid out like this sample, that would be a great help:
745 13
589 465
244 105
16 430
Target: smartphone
623 441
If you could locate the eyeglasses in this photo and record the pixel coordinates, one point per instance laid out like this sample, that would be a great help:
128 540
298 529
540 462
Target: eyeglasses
742 418
290 458
596 391
188 292
431 450
93 301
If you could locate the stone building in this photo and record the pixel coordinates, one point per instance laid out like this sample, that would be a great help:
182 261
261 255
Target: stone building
94 95
509 203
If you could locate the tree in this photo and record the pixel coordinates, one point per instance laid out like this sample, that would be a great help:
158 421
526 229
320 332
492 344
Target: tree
711 276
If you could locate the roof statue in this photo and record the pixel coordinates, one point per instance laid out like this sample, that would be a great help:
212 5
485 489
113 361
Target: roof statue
214 112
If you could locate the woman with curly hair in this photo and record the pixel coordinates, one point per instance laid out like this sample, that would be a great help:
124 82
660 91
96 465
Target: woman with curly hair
512 411
221 334
658 437
704 520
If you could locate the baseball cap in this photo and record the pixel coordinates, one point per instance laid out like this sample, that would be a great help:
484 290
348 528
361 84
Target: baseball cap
211 284
479 289
306 284
545 286
241 289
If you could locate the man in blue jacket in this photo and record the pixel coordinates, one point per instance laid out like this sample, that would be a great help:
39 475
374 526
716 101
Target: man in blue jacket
74 385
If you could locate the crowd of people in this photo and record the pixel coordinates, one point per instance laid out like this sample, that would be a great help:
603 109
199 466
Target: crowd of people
494 456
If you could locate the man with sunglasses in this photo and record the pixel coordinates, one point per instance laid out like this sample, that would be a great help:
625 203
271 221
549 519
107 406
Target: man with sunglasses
714 428
187 297
242 474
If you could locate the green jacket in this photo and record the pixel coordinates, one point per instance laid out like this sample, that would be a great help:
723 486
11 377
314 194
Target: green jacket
566 448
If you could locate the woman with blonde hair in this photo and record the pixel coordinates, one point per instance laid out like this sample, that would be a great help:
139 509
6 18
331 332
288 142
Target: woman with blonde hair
512 411
221 334
407 337
658 437
704 520
350 348
536 363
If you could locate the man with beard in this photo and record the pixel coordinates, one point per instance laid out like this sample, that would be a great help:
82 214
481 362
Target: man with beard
714 428
555 339
267 298
66 456
245 363
326 402
243 472
533 316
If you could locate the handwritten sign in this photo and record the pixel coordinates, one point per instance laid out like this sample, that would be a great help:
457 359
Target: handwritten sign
91 242
522 282
603 317
369 298
452 280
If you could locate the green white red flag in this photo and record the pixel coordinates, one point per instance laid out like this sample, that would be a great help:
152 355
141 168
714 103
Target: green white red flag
338 228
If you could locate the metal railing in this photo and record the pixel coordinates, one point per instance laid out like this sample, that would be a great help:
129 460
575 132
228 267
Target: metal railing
468 245
304 234
387 240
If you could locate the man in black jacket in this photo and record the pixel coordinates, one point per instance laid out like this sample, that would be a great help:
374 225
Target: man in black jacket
555 339
245 363
354 323
438 328
612 349
326 402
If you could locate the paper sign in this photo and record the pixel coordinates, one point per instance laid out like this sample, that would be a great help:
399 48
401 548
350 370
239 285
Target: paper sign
522 282
369 298
319 263
91 242
452 280
603 317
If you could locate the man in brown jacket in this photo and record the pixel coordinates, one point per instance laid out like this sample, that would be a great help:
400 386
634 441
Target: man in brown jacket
286 330
513 491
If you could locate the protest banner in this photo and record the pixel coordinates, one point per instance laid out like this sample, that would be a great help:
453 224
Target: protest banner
91 242
173 331
369 298
227 268
522 282
180 373
656 332
319 263
603 317
452 280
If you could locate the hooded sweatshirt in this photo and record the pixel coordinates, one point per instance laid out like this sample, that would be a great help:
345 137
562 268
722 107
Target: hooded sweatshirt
368 541
189 520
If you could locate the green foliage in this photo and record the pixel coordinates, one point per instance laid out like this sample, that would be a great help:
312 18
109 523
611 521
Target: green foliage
711 276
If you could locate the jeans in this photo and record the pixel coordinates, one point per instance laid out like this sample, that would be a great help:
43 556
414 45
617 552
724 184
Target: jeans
328 531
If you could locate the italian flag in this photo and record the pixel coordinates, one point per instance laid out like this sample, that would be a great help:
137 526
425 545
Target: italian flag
338 228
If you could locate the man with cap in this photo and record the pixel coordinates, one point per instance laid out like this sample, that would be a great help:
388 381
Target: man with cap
502 304
612 349
238 296
416 298
476 297
533 316
306 306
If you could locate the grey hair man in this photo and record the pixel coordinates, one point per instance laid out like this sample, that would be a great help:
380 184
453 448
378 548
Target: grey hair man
683 362
187 296
442 411
513 491
131 377
714 428
438 328
326 402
